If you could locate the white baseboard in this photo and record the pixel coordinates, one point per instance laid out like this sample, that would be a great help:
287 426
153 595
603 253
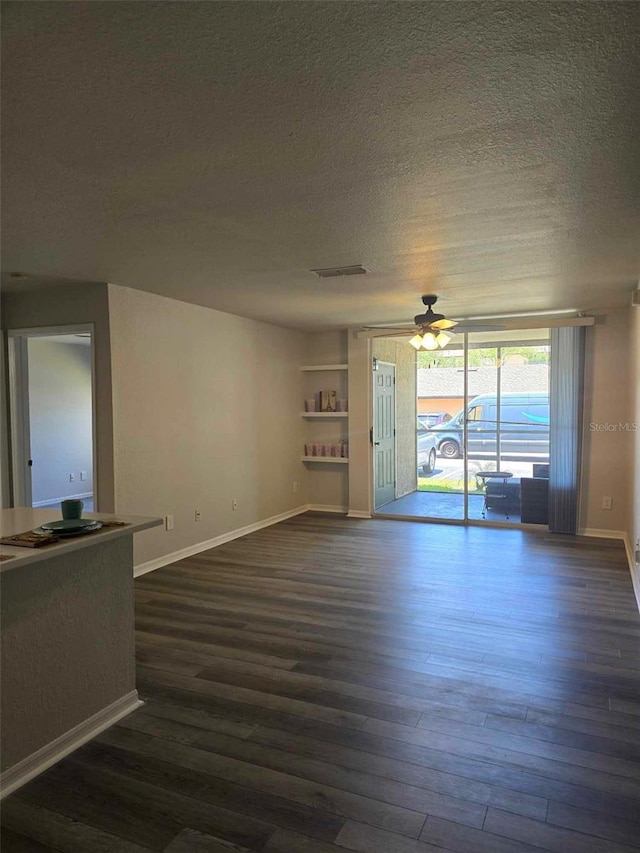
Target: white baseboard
82 496
634 568
356 513
22 772
199 547
602 534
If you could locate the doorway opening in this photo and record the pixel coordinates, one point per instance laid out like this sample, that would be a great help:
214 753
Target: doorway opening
52 409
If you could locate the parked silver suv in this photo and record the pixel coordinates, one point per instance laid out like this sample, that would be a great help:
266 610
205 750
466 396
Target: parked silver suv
426 449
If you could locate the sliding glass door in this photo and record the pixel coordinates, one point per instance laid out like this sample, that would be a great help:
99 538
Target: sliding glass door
483 427
507 422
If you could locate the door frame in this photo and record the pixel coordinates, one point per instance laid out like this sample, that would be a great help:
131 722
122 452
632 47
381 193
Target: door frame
374 362
19 420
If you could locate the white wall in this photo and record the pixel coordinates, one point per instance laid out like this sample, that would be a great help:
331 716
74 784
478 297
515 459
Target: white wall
607 454
60 416
206 409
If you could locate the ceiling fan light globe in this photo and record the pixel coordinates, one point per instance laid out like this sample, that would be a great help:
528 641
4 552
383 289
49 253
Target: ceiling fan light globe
443 339
416 341
429 341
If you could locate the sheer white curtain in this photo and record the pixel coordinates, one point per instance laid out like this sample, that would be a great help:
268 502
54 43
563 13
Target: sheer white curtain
565 430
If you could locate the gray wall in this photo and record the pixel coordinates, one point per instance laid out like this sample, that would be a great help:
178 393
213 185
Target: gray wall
76 305
634 497
61 419
206 409
67 643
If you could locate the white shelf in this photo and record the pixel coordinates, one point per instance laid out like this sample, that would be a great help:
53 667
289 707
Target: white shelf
340 460
312 367
324 414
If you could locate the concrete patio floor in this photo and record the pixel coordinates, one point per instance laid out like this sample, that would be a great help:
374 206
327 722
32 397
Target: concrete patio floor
447 505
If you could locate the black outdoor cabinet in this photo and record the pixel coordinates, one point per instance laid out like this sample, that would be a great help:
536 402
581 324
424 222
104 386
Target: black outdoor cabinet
503 497
534 500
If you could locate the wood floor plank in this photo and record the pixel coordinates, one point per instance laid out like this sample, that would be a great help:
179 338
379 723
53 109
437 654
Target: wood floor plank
368 839
549 837
460 787
405 821
599 824
78 795
283 841
263 806
465 839
596 753
256 697
332 684
611 730
387 790
192 841
137 809
14 842
499 773
608 744
202 652
560 766
322 691
60 832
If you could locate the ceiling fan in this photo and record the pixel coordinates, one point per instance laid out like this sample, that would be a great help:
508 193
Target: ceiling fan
434 330
431 331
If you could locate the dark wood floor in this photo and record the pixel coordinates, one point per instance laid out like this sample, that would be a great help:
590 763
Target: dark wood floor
379 686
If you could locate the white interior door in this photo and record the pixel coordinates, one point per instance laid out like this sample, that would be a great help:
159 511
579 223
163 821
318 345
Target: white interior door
384 433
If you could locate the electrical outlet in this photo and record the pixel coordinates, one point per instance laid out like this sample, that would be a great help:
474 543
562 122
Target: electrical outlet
168 522
83 475
234 504
197 515
607 502
295 486
72 478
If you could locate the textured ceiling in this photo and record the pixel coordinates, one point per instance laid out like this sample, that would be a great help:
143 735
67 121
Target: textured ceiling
216 152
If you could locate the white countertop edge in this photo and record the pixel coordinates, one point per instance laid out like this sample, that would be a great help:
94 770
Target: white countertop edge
20 519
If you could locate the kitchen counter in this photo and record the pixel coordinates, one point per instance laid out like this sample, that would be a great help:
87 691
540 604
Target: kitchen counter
68 646
21 519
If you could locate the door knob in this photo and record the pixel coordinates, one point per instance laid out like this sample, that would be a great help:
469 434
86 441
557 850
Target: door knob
376 442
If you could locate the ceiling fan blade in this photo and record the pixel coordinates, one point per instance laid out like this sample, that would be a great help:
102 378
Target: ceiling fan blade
443 324
387 332
401 330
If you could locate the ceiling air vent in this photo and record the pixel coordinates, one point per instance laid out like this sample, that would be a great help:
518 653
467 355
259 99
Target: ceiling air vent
332 272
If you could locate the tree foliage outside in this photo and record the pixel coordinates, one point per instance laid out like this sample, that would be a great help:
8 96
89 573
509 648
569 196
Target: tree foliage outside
483 357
